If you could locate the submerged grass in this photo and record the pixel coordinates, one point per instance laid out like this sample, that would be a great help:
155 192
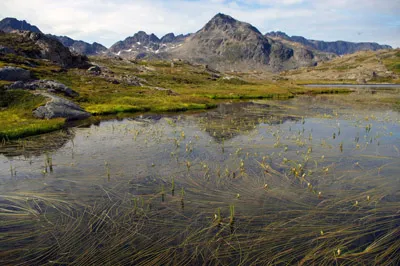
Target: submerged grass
118 230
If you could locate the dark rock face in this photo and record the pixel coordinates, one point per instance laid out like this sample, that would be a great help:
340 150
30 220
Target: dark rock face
58 107
228 44
11 24
14 74
81 47
49 85
338 47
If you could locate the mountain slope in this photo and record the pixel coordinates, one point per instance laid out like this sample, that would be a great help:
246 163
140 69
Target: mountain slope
364 66
337 47
228 44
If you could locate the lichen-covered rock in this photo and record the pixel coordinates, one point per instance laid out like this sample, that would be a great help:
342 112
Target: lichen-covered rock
58 107
14 74
50 85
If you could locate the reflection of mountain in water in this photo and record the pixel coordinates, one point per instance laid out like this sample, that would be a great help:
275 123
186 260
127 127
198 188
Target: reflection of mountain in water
38 145
232 119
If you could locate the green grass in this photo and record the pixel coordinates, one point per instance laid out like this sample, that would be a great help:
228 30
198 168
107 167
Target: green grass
17 120
104 109
393 62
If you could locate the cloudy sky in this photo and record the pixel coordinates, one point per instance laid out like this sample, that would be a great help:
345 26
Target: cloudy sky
107 21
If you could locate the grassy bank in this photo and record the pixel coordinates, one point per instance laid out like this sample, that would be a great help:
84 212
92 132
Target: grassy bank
16 116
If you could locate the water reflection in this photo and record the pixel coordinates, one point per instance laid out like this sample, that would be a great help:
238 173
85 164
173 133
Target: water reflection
38 145
232 119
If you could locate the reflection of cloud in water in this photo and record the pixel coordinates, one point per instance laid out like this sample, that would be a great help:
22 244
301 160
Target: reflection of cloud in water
37 145
230 120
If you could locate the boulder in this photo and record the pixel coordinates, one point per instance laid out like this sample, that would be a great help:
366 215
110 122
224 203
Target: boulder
58 107
50 85
94 70
14 74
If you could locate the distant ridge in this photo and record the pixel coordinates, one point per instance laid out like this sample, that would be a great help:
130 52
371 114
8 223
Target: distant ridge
81 47
336 47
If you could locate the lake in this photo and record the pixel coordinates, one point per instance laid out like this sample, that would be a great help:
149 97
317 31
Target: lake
309 180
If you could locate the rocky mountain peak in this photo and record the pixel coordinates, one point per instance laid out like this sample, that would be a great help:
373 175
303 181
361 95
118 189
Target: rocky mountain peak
222 19
11 24
228 24
144 38
170 37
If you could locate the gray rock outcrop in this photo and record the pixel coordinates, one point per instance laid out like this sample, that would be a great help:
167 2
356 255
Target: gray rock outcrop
14 74
49 85
58 107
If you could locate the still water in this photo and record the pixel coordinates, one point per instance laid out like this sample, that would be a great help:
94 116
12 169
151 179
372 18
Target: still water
313 179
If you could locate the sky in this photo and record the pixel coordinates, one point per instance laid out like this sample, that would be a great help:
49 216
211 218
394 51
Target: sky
107 21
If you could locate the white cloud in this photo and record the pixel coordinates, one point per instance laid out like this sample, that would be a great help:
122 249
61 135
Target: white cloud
107 21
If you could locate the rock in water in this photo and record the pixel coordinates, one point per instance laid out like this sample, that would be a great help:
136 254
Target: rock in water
14 74
58 107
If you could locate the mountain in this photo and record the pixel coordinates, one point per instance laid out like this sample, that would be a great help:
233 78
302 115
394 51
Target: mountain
224 43
10 24
81 47
227 44
337 47
142 45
